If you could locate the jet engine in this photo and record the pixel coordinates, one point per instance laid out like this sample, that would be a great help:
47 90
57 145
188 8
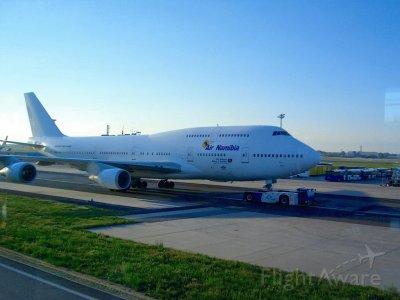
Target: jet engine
20 172
113 179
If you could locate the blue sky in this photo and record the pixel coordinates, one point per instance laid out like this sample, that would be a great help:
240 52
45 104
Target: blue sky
161 65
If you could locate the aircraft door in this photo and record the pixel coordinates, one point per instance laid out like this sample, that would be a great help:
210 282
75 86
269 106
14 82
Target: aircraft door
190 155
134 154
95 154
245 155
282 160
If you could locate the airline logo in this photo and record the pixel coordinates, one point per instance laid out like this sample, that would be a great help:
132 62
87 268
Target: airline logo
207 145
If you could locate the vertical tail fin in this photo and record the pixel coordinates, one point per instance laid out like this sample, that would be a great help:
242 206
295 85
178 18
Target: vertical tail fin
41 123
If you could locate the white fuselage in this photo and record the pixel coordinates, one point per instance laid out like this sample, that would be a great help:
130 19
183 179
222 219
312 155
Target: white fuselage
232 153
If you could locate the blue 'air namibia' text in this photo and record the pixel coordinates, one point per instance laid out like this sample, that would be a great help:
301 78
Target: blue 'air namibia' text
223 148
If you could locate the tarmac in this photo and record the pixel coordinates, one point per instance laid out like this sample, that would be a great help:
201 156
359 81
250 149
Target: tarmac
318 247
24 277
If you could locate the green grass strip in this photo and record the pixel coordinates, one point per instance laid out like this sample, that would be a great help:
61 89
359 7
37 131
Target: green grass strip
55 232
362 162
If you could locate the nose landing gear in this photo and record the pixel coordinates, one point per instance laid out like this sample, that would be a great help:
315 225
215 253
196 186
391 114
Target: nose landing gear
268 184
164 183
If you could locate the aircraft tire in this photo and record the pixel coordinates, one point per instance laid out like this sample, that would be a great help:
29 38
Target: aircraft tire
143 184
161 184
166 184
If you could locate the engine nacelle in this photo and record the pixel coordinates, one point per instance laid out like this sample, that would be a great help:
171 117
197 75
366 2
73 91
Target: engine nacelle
113 179
21 172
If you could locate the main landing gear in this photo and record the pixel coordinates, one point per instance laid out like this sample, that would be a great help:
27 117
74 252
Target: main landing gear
164 183
139 184
268 184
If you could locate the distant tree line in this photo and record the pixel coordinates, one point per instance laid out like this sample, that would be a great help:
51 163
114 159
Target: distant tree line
359 154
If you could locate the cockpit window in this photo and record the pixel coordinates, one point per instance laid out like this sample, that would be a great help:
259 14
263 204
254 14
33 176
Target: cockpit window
280 133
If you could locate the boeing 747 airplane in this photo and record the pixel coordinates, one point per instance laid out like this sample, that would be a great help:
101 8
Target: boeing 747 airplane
222 153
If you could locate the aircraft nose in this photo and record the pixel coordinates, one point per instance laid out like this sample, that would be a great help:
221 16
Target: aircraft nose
314 157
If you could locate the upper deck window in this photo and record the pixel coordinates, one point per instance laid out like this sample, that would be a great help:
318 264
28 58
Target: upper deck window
280 133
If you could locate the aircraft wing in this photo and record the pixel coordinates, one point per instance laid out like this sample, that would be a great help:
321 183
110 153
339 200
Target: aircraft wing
91 164
35 146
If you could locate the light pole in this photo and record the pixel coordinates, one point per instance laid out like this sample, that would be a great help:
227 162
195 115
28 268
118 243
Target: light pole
281 116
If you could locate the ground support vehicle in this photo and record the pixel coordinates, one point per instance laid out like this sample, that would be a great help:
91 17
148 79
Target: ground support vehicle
394 177
302 196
